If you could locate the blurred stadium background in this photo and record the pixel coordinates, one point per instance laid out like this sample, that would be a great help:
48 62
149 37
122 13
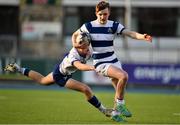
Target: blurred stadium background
36 33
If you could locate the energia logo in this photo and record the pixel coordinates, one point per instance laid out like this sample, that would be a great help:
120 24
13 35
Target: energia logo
165 74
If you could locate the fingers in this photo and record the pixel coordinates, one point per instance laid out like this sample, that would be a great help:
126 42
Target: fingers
148 37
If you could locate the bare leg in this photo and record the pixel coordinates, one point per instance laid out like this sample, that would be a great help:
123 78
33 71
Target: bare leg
36 76
78 86
44 80
119 80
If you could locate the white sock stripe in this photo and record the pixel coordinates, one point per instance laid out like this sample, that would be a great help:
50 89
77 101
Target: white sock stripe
120 101
22 70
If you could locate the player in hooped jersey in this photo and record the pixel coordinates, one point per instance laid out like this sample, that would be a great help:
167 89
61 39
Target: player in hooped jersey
102 32
61 75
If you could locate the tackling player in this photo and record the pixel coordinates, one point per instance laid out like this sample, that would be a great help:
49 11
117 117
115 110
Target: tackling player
73 61
102 32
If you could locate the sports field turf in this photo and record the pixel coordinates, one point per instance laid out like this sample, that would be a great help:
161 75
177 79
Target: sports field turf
21 106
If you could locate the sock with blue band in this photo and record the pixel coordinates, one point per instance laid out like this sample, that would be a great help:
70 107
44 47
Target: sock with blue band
95 102
25 71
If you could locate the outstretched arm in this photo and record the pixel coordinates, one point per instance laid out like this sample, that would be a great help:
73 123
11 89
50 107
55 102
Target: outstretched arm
83 67
136 35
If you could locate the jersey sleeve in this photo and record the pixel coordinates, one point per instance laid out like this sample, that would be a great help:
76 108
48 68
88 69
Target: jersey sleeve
83 28
72 57
120 29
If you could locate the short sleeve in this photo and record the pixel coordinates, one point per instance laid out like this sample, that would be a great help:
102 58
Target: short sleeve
72 57
120 29
83 28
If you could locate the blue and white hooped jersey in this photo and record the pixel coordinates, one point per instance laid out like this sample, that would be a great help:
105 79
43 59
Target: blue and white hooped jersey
66 66
102 40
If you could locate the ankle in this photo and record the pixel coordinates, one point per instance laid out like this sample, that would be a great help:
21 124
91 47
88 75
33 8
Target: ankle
115 113
120 102
102 108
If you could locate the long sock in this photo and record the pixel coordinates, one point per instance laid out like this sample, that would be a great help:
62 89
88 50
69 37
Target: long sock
25 71
95 102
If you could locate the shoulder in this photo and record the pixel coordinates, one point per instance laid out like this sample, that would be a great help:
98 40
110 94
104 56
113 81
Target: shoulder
73 51
86 27
110 22
72 56
113 23
89 24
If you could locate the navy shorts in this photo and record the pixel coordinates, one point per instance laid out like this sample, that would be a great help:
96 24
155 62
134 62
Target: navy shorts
59 78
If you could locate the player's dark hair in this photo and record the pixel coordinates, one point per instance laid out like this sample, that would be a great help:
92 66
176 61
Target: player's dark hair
102 5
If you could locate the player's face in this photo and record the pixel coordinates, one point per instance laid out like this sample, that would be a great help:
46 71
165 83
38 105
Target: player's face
84 51
102 16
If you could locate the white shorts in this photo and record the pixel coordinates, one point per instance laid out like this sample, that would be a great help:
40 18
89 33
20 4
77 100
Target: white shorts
102 69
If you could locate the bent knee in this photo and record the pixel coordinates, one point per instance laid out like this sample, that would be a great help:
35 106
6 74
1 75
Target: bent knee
123 76
87 90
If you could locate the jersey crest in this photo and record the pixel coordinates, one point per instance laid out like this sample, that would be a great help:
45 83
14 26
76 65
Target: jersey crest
110 30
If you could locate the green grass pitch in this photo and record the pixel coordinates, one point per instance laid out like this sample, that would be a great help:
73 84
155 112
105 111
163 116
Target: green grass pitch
70 107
